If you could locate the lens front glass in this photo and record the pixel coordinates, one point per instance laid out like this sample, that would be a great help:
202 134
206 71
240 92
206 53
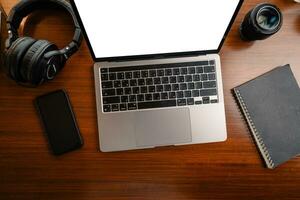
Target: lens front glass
268 18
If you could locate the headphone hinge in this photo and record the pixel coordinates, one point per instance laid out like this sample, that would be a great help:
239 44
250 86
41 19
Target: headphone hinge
11 38
69 50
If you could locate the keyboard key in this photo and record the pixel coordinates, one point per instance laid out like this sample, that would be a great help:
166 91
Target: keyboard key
198 85
135 90
104 77
107 84
140 97
214 101
181 102
144 89
187 94
128 75
188 78
106 108
172 95
120 91
132 106
137 74
133 83
157 81
156 96
180 79
148 97
204 77
157 104
127 91
175 87
212 76
168 72
120 75
183 71
209 69
206 100
112 76
145 74
125 83
123 107
117 84
165 80
167 88
159 88
198 102
212 62
210 84
199 70
191 70
149 81
179 95
109 92
141 82
208 92
115 107
152 73
191 86
111 100
164 95
104 70
183 86
195 93
151 89
160 72
173 79
196 77
176 71
124 99
190 101
132 98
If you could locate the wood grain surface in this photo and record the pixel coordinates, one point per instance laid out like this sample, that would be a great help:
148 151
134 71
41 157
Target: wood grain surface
228 170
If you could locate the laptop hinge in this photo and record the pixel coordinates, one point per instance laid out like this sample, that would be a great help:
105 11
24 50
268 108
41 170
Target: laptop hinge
158 57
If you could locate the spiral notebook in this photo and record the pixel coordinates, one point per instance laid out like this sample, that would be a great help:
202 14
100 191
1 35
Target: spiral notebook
271 106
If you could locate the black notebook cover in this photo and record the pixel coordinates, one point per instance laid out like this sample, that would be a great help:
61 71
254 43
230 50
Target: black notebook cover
271 105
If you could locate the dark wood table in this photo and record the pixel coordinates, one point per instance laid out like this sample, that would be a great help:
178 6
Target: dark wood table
228 170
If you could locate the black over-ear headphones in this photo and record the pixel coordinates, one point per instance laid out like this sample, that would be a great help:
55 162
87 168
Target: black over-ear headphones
32 62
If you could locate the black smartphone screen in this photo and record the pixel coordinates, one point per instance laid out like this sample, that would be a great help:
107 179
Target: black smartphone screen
59 122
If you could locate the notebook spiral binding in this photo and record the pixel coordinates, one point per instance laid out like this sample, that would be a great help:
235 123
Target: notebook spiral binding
258 138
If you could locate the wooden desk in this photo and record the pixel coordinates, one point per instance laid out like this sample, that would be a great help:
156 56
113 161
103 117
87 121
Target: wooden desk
229 170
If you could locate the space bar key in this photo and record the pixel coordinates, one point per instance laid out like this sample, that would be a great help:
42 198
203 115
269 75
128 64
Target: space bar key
156 104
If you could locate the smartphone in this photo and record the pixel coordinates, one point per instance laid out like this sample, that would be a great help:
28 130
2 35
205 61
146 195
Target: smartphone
59 122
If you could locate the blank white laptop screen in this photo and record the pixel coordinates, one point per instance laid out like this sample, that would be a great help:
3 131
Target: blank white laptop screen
117 28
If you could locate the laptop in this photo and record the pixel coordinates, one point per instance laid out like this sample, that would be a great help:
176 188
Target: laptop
157 71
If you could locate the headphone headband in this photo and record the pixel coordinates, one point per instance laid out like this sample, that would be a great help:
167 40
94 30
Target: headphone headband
25 7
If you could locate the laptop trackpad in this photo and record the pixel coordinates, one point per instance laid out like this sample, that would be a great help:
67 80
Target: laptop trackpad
163 127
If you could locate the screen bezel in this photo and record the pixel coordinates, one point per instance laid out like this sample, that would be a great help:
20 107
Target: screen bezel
153 56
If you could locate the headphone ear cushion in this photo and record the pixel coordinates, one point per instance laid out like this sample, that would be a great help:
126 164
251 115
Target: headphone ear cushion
14 55
32 68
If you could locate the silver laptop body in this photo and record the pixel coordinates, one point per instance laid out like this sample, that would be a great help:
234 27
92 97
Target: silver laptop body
194 118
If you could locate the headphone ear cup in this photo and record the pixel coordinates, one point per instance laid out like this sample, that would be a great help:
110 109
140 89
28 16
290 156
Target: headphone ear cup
14 55
34 63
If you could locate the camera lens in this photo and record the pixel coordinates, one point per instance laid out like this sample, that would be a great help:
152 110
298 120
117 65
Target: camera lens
268 18
261 22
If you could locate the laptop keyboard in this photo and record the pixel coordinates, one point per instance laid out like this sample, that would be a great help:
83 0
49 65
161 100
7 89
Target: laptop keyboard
158 86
